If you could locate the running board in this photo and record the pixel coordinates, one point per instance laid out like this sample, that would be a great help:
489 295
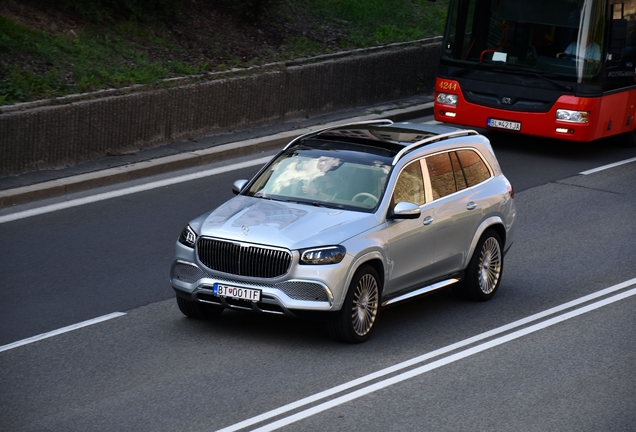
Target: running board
421 291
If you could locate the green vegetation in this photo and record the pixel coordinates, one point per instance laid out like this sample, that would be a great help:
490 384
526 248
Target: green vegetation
372 22
118 43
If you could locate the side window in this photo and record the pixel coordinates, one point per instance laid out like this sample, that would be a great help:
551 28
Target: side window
410 185
440 170
460 178
475 170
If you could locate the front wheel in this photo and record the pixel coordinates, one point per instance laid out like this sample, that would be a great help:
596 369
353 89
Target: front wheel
483 274
355 321
197 310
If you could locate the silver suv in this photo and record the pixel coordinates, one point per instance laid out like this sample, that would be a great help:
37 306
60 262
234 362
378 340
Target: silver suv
348 220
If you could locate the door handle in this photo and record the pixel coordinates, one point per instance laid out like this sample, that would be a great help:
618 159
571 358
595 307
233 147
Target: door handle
427 220
471 206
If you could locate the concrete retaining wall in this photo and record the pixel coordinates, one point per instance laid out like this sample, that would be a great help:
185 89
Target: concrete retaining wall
57 135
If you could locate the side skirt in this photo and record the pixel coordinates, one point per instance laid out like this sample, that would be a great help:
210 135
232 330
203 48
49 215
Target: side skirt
420 291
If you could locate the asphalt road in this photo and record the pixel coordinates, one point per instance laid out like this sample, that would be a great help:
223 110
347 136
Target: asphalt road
569 368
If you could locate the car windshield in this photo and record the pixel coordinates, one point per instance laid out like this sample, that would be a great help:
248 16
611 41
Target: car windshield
557 38
345 177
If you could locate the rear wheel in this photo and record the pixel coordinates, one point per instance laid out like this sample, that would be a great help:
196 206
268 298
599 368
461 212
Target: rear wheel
197 310
483 274
355 321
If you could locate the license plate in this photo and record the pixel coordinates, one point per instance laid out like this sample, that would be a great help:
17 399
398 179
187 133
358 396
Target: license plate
237 293
504 124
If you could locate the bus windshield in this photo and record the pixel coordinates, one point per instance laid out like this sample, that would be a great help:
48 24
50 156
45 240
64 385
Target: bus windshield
555 38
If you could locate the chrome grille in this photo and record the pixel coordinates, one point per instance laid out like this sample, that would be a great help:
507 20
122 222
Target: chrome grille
243 259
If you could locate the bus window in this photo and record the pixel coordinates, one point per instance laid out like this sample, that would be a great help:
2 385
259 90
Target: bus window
621 49
536 35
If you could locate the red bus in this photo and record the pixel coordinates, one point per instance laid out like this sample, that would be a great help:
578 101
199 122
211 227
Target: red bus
517 65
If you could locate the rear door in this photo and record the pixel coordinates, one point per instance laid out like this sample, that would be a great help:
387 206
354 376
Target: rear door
459 205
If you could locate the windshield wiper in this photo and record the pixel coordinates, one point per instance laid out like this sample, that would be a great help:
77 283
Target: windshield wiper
467 69
556 83
528 70
511 68
327 205
313 203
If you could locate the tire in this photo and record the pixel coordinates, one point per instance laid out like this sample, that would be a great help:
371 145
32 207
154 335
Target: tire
193 309
356 320
483 274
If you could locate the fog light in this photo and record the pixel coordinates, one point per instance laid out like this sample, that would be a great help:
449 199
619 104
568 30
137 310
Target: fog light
572 116
447 114
562 130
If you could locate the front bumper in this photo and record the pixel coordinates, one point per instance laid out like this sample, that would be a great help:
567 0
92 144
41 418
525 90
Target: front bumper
283 297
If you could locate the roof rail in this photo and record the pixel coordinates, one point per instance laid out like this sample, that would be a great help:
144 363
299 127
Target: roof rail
432 139
385 122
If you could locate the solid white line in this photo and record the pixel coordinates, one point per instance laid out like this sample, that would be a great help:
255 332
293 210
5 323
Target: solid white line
604 167
131 190
442 362
383 372
60 331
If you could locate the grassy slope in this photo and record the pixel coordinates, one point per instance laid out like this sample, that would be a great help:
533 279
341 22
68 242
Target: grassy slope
48 51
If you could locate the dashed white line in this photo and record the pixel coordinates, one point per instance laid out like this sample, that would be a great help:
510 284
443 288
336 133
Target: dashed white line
608 166
130 190
60 331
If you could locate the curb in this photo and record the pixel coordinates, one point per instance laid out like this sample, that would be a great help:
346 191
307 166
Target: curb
151 167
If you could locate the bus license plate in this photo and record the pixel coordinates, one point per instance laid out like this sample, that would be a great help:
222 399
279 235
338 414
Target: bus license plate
504 124
237 293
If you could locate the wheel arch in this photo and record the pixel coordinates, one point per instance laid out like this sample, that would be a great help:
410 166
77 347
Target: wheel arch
495 223
373 259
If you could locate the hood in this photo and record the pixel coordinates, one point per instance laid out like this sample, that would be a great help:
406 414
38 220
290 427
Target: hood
288 225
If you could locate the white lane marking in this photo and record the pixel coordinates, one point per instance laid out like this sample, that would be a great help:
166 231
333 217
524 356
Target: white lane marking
612 165
131 190
442 362
359 381
60 331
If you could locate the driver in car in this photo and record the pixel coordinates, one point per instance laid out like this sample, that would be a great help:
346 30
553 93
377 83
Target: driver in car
328 184
592 51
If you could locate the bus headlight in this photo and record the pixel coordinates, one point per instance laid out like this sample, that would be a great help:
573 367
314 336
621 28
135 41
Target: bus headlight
572 116
447 99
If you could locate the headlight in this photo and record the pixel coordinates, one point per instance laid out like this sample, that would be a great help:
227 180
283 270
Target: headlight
323 255
447 99
188 237
572 116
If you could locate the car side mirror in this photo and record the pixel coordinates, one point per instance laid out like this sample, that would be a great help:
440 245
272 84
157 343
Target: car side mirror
405 210
238 186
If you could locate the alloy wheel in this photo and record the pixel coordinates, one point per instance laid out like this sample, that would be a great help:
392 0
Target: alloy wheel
489 265
365 304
